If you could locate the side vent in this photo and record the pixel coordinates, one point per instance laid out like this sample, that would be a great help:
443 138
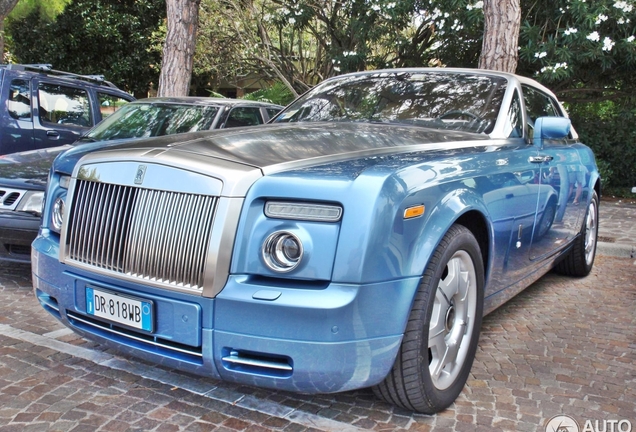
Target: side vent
257 363
48 303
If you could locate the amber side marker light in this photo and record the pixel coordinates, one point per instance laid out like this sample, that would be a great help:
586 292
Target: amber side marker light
413 212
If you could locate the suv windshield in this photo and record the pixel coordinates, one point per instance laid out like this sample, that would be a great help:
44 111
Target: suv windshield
441 100
139 120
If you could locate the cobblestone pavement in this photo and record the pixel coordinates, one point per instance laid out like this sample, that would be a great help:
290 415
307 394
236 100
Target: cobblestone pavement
563 346
617 227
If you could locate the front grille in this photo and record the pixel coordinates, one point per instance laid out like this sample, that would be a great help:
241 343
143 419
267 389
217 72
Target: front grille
9 198
154 235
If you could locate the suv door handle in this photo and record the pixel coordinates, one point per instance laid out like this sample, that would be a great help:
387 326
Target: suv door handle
539 159
52 133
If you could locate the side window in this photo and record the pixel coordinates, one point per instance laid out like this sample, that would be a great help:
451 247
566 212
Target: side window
19 102
244 116
108 104
514 126
271 112
539 105
64 105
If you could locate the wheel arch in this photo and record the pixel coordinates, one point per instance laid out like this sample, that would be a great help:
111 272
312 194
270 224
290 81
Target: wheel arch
461 207
477 224
597 187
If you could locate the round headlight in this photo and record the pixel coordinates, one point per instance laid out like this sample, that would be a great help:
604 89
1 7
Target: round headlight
282 251
57 216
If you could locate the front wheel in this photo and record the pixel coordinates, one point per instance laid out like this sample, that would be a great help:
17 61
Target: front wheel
442 332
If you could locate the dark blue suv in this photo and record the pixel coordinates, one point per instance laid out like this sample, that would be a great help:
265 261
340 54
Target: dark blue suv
41 107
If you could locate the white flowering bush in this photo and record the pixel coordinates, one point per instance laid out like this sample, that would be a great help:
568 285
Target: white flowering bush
584 50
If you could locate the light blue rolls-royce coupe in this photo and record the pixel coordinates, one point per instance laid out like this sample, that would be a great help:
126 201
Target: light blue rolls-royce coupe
356 241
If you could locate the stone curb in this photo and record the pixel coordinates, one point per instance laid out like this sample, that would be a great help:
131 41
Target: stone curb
616 250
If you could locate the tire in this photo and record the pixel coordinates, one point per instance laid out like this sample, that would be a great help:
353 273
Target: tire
449 303
579 260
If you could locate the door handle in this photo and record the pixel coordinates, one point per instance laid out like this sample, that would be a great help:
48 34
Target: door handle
540 159
52 133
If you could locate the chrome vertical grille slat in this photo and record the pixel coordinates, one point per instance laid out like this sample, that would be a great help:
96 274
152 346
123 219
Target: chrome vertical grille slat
105 223
163 235
205 230
148 234
153 258
95 218
114 222
182 270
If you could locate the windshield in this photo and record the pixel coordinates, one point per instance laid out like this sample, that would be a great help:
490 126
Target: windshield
138 120
441 100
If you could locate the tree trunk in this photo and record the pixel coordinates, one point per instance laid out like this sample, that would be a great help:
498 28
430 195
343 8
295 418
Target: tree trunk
178 51
6 6
502 21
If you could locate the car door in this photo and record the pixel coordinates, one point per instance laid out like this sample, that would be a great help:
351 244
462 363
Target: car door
16 126
561 182
511 200
64 112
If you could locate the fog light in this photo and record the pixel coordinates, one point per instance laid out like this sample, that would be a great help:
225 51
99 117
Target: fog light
282 251
57 216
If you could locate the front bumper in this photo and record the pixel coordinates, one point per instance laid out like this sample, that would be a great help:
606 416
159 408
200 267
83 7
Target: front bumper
17 232
332 338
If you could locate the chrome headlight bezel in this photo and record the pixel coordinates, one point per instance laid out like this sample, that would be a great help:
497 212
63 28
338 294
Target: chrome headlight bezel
57 214
282 251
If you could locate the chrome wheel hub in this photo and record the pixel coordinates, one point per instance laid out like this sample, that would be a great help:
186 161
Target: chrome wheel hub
452 320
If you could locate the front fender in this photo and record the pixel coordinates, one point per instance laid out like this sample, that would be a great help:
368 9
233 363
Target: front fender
392 247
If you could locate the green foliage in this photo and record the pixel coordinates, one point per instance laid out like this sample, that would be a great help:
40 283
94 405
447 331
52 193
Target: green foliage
584 50
620 192
114 38
302 42
611 132
212 93
48 9
277 93
606 172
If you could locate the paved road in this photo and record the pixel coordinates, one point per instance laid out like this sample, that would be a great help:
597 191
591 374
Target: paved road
617 228
563 346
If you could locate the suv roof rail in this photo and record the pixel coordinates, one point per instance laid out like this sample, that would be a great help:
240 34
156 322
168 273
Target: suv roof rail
48 69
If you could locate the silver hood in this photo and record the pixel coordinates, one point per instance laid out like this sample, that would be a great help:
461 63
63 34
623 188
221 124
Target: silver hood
238 157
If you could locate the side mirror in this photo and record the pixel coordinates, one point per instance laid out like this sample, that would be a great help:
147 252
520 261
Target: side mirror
551 128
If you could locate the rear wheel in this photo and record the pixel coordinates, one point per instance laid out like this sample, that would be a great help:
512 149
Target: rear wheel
580 259
442 332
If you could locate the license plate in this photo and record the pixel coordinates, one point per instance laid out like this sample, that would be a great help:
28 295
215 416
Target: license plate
125 310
